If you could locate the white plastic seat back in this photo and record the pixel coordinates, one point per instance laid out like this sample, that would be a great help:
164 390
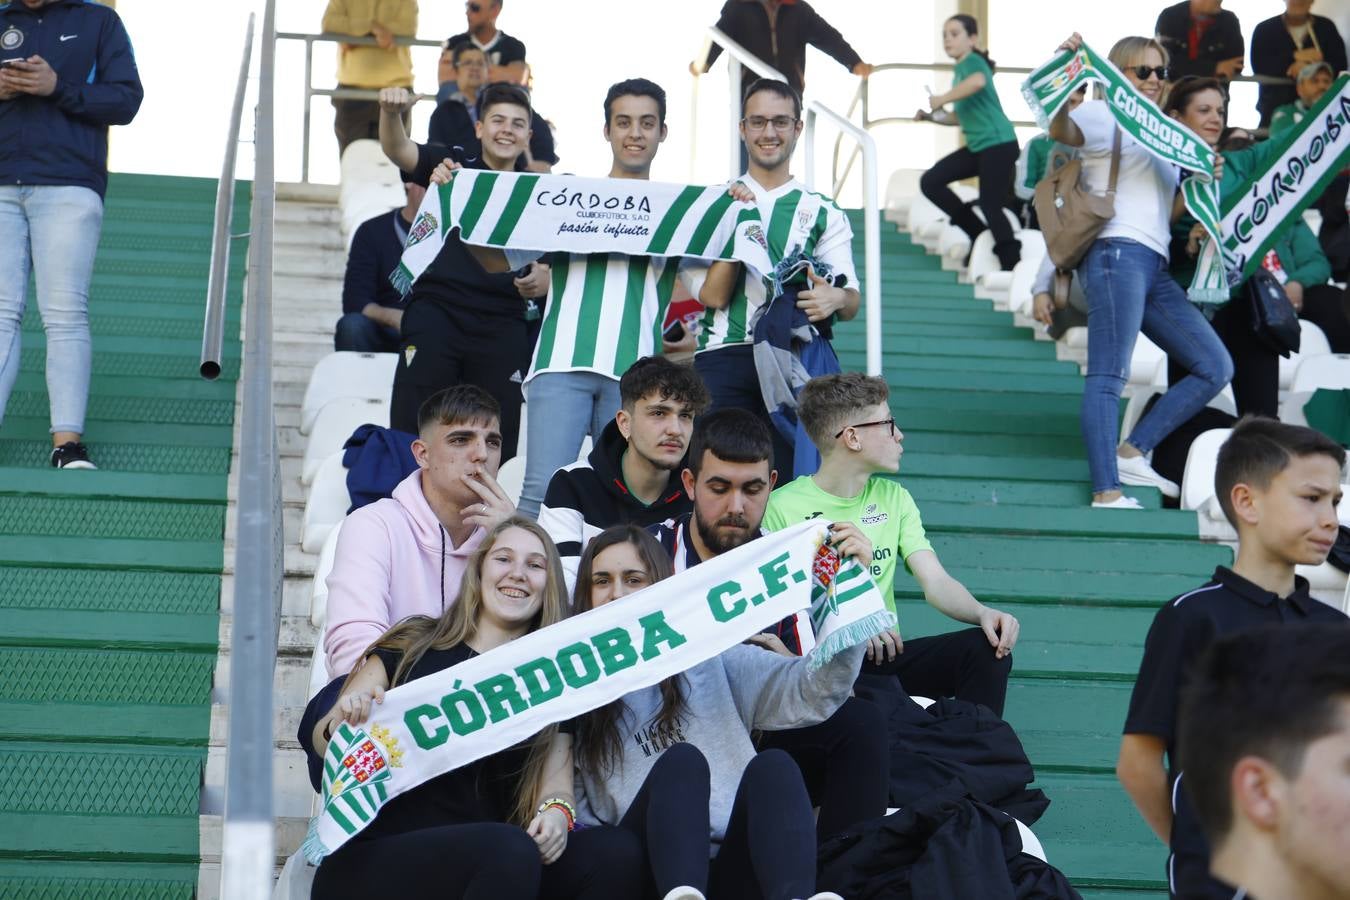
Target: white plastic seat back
901 189
1019 290
511 476
1145 362
982 258
318 589
1197 483
1033 244
335 423
346 374
922 213
1312 342
1330 371
326 504
370 185
953 243
296 881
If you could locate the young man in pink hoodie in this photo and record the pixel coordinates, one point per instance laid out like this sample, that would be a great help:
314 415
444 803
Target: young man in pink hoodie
404 556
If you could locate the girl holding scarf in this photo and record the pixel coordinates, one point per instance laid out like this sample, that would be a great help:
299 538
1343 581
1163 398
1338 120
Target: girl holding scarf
675 766
498 828
1129 288
991 149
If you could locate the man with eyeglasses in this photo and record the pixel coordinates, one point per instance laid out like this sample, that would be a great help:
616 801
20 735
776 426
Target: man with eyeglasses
505 54
796 222
849 419
455 120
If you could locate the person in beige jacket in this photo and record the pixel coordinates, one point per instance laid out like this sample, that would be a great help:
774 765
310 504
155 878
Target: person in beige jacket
363 66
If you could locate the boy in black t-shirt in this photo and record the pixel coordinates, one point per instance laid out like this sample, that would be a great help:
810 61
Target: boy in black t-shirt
1279 486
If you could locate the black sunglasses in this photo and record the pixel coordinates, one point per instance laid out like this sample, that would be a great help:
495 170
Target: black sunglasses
1141 72
890 422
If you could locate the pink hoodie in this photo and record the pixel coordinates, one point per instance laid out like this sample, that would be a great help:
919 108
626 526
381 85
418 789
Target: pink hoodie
387 567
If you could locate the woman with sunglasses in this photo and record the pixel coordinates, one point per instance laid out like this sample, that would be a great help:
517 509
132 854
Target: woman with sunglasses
991 146
675 764
1129 288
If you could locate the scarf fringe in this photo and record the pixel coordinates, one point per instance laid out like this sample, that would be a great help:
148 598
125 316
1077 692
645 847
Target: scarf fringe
1037 111
401 279
850 635
313 849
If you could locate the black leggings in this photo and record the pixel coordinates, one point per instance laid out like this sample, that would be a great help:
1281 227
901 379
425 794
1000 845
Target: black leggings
959 664
769 849
995 168
844 761
1256 367
482 861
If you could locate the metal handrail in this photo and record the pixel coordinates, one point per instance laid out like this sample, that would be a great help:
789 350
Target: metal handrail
340 93
213 324
248 848
737 58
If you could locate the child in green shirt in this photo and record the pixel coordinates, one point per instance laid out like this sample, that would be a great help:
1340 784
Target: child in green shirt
849 420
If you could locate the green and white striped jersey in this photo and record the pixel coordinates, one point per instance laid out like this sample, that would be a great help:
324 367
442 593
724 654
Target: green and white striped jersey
794 217
604 312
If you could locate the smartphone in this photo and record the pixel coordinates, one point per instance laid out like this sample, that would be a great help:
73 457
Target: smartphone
8 63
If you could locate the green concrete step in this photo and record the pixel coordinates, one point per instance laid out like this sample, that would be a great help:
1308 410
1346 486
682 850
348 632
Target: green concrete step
104 484
102 518
1020 493
986 465
1051 586
35 425
36 879
83 591
1093 834
180 368
1082 557
123 456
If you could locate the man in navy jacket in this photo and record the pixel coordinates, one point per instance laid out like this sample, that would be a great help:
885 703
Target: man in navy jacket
67 72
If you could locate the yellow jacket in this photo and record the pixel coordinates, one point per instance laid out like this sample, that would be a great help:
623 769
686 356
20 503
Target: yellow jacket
371 67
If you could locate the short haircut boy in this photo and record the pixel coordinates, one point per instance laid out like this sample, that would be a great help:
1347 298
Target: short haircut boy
461 403
829 403
1267 692
636 87
731 435
670 380
457 52
1260 449
773 86
502 92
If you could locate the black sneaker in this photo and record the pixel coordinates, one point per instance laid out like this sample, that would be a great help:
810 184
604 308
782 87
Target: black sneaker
71 455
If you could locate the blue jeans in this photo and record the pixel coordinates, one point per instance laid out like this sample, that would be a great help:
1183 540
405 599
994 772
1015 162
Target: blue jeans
51 230
359 332
563 407
1129 289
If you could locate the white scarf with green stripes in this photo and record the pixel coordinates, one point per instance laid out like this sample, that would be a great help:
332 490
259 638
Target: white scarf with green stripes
488 703
544 213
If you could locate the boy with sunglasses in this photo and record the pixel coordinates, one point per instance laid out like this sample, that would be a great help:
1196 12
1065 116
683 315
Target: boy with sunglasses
849 419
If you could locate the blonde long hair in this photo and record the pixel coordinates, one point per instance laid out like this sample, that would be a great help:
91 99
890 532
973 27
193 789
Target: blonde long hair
1128 51
414 636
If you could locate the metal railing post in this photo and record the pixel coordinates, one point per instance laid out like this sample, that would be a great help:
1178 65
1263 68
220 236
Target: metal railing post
736 77
309 99
248 843
872 254
213 324
809 134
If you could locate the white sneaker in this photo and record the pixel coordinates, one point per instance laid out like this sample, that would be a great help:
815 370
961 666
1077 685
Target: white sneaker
1136 470
684 892
1121 502
825 895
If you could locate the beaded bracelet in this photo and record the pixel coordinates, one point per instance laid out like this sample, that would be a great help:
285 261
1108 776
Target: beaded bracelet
567 810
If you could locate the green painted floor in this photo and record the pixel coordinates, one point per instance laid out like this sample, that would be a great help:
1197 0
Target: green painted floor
994 458
110 580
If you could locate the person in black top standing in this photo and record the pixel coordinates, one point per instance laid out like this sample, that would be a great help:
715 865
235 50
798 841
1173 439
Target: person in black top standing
1284 44
372 307
498 828
1279 486
1201 38
456 118
505 54
1265 740
463 324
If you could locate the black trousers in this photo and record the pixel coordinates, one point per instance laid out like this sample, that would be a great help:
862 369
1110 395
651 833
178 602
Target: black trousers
995 168
769 850
444 345
482 861
733 383
958 664
844 762
1256 368
355 120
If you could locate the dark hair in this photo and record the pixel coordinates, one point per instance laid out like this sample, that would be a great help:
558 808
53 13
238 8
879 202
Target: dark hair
829 401
1183 90
598 744
1235 137
457 51
733 435
461 403
657 374
636 87
773 86
1261 448
502 92
972 28
1267 692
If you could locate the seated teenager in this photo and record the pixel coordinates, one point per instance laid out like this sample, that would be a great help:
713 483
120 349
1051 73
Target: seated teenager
675 763
848 417
405 555
633 472
495 829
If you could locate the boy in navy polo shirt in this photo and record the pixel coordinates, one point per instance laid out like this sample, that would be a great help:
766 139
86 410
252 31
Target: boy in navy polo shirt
1279 486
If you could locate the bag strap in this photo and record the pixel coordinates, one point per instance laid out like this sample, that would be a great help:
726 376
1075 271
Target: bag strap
1115 163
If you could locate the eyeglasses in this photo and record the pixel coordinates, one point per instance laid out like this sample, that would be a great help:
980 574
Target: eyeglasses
1142 72
890 423
758 123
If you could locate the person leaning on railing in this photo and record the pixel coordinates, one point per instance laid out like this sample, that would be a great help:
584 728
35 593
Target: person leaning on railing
362 66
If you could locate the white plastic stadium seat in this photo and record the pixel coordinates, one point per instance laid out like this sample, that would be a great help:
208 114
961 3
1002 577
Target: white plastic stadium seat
953 243
922 214
327 503
370 185
335 423
1033 244
982 258
318 589
1312 342
296 881
1197 483
901 189
511 476
1330 371
1144 362
346 374
1019 290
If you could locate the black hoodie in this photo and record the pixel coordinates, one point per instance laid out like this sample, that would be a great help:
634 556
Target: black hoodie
585 498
